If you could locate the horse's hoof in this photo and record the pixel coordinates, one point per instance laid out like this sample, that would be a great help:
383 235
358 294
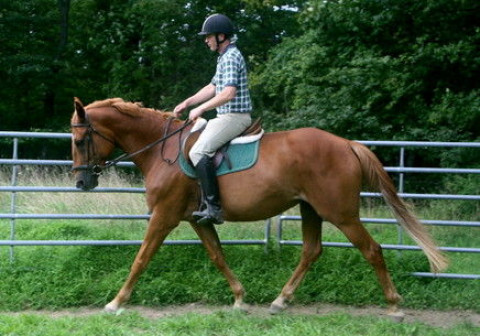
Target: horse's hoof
276 309
111 308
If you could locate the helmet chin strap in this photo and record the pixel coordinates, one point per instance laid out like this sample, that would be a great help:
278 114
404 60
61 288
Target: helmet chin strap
217 40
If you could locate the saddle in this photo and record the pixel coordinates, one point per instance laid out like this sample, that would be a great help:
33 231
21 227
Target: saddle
251 134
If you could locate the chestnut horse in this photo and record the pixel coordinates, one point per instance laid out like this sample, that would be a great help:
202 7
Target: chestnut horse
321 172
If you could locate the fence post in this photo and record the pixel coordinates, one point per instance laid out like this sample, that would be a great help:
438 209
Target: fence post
13 196
401 188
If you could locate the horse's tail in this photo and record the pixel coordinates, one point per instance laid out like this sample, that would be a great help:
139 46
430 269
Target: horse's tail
377 178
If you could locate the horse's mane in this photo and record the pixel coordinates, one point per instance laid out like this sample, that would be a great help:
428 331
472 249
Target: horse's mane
134 109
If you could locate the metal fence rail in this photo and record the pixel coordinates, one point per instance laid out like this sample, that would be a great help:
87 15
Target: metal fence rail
14 189
401 170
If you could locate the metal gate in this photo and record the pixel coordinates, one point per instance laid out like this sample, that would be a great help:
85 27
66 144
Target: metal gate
401 170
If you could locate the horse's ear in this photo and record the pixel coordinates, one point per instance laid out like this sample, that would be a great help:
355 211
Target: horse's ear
79 109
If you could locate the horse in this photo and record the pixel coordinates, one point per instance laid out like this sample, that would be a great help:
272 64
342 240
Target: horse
319 171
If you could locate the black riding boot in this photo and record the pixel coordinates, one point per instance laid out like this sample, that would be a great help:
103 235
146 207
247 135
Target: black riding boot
212 213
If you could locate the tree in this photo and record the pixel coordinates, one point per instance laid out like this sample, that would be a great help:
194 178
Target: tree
149 50
390 69
144 50
28 55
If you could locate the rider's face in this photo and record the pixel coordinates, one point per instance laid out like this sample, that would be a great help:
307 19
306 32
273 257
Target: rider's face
211 42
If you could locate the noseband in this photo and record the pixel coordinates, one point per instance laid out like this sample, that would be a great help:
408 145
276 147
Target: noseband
96 168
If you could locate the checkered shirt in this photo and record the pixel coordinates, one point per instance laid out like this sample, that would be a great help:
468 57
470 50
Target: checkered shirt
232 71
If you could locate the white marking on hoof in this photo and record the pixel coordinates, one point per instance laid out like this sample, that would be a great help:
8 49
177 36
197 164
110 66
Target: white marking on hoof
112 307
278 305
276 308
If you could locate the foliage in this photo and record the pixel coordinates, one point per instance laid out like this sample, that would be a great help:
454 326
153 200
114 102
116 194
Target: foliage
144 50
371 69
28 63
395 69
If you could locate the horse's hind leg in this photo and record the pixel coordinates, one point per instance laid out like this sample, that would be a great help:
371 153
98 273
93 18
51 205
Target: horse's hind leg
372 252
208 235
312 248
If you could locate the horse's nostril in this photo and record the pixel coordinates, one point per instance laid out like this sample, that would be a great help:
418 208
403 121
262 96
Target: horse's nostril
80 185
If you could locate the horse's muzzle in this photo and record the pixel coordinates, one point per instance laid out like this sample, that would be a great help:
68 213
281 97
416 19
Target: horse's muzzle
86 180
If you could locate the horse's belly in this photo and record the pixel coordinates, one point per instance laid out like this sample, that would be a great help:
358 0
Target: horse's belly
252 206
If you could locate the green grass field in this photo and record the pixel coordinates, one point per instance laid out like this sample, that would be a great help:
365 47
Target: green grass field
68 277
220 323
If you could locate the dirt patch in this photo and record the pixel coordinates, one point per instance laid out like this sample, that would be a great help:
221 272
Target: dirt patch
444 319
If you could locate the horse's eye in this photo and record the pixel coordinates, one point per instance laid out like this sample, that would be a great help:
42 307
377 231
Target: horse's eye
80 143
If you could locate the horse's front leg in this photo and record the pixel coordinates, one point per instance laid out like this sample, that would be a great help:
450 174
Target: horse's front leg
161 223
208 235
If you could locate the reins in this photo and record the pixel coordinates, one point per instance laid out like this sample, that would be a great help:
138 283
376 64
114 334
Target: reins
127 156
167 127
97 169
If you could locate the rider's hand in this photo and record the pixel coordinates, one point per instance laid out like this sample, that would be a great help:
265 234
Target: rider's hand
195 113
177 111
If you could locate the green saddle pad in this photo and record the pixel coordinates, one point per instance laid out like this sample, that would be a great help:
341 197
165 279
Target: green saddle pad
242 156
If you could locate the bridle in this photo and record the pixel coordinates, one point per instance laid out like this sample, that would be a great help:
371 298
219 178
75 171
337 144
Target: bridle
96 168
91 167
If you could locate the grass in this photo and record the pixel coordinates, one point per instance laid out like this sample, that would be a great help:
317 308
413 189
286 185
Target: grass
219 323
63 277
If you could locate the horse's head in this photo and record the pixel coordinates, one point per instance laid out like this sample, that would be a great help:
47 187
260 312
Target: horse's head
90 147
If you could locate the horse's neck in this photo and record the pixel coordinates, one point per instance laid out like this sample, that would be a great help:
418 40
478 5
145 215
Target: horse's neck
141 135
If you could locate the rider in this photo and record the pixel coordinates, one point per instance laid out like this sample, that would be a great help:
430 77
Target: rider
228 93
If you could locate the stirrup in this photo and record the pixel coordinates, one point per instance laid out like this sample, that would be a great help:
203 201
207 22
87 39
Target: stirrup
210 220
205 217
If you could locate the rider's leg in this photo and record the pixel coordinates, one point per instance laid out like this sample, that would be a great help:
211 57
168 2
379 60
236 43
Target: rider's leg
217 133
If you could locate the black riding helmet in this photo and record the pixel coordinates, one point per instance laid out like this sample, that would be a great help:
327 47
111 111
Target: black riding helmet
217 24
